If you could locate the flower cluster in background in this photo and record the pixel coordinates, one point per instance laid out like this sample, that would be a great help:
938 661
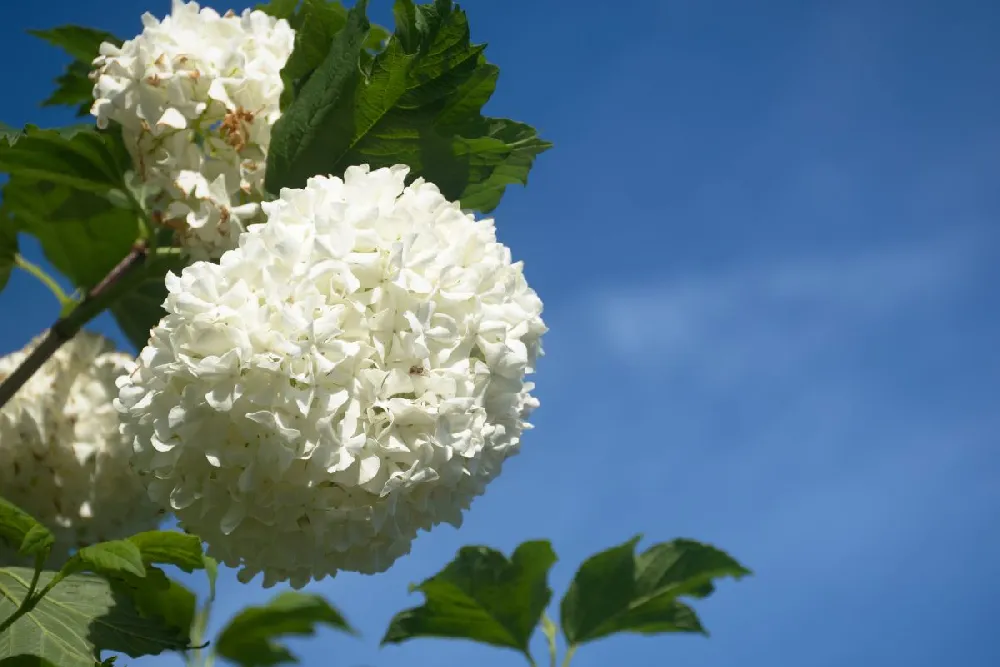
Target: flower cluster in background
62 458
196 95
352 373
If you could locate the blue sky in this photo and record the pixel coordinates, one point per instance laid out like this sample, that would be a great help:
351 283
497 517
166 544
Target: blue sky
767 242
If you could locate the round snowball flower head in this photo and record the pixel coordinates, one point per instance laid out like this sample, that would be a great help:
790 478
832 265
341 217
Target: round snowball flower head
353 373
197 94
62 457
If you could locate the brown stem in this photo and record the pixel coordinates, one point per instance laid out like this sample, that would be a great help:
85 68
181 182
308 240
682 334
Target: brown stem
95 302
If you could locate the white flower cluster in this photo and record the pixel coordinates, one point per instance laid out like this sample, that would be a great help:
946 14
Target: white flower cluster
352 373
196 95
62 457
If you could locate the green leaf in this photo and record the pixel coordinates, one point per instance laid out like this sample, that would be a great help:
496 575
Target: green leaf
61 187
82 157
108 558
417 102
168 547
73 89
82 234
298 138
157 596
684 567
76 617
408 25
280 9
21 531
250 638
38 541
315 23
8 250
82 44
615 591
73 86
482 596
8 133
377 36
501 155
27 661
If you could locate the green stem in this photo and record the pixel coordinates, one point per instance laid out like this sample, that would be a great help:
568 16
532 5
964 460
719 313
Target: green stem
29 601
39 564
44 278
200 625
197 633
118 281
549 630
569 655
18 613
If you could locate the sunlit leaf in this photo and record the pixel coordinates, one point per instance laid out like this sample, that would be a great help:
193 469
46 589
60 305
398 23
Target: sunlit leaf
416 102
617 591
108 558
482 596
23 532
80 614
315 23
170 547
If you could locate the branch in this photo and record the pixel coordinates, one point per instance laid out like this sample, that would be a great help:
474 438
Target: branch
94 303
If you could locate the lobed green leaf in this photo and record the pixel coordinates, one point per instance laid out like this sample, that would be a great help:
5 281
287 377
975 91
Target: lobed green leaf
111 558
482 596
156 596
82 234
170 547
417 101
80 43
74 87
616 591
81 157
250 639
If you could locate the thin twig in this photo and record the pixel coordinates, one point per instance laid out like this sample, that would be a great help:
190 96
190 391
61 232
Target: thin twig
96 300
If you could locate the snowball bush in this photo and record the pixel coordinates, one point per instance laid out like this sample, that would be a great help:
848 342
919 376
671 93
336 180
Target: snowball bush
196 95
62 458
352 373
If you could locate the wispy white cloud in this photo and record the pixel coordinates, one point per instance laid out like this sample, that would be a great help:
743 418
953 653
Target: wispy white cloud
724 327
